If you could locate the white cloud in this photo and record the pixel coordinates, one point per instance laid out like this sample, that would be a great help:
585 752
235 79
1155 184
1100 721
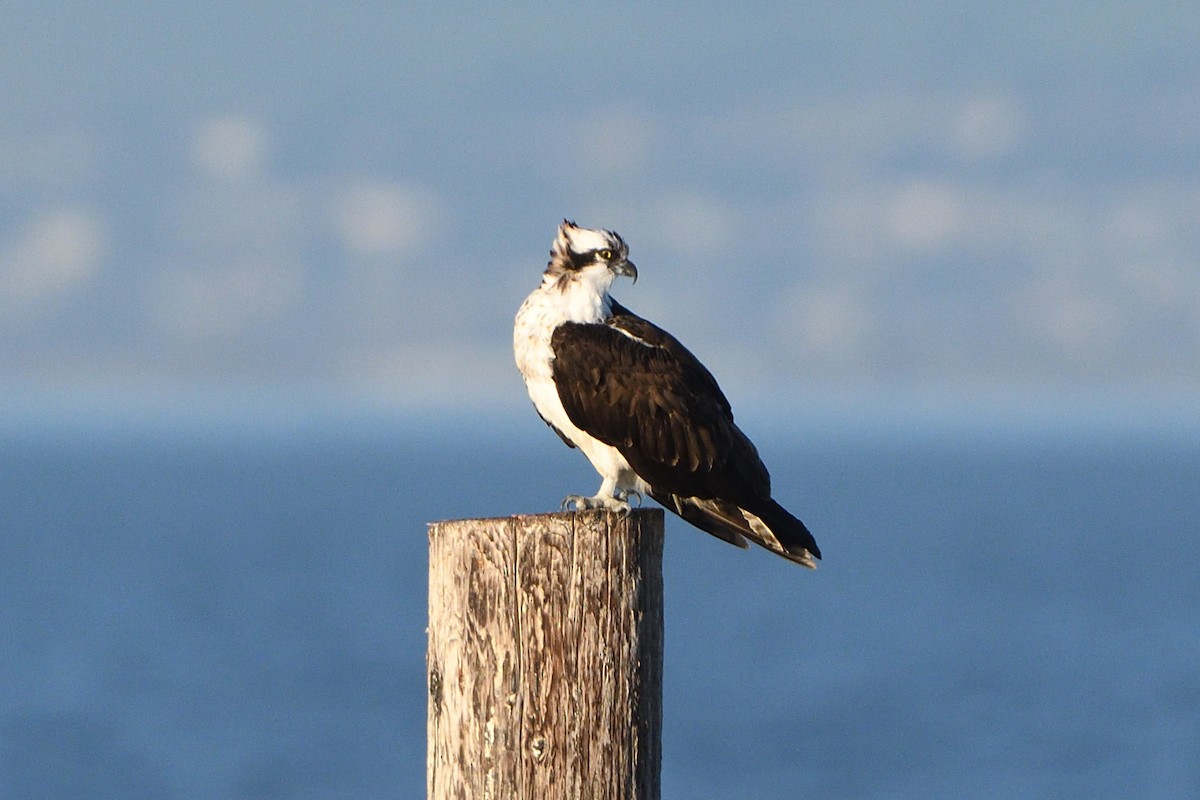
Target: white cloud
380 218
613 142
231 147
261 219
924 214
223 301
1139 223
1073 322
56 253
882 252
827 323
987 127
1032 279
693 224
448 372
837 139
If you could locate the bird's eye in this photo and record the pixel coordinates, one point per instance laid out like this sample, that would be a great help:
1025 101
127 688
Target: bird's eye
605 254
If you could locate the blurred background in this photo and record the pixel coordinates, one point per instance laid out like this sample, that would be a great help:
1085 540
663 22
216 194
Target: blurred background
258 268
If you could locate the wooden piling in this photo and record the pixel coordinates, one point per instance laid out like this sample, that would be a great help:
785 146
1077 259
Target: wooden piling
545 657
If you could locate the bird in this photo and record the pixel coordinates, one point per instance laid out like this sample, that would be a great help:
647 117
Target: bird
648 415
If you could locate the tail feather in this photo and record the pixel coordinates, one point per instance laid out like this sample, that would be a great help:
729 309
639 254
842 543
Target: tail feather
792 535
773 527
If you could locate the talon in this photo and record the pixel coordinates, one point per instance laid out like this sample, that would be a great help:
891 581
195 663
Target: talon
637 494
619 506
577 503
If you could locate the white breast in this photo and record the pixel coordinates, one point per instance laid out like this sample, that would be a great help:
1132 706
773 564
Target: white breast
544 310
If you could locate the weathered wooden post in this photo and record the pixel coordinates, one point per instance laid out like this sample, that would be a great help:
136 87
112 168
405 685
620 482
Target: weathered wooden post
545 657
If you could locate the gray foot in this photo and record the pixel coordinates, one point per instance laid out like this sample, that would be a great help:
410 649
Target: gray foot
577 502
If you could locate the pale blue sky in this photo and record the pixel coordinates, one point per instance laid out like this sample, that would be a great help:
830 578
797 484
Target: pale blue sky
348 204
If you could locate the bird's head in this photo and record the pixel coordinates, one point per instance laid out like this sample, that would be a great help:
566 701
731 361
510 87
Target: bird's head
597 256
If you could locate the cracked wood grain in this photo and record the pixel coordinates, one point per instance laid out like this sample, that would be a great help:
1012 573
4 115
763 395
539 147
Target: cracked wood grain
545 657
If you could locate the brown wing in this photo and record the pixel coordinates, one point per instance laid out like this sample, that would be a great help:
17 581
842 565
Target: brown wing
632 385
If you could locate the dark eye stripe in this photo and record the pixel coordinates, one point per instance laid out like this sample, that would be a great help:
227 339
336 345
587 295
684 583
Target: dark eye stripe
581 260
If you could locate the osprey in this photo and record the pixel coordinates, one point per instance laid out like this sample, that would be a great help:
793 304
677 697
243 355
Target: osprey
647 414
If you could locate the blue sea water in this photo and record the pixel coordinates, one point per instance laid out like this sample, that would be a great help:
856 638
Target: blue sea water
241 614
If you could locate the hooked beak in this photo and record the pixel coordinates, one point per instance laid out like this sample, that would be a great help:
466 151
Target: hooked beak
626 268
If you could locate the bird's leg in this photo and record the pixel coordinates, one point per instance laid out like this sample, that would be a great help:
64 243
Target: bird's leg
609 498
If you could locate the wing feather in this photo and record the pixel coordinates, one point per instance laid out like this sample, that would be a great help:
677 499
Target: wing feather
632 385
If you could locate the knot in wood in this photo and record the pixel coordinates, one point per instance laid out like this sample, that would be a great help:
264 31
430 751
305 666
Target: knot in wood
538 747
435 691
